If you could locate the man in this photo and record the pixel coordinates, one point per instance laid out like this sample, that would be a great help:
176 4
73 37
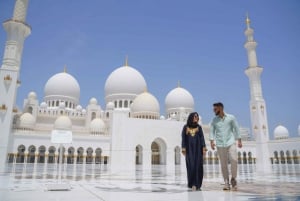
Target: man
224 130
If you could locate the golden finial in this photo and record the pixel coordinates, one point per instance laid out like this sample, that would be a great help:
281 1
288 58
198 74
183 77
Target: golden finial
146 89
65 68
178 83
248 21
126 60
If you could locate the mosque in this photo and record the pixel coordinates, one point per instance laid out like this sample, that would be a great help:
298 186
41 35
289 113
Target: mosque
129 130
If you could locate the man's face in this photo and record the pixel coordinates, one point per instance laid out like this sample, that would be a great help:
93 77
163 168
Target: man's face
217 110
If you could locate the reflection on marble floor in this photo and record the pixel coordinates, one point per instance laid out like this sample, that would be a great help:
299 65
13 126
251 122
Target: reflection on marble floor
94 182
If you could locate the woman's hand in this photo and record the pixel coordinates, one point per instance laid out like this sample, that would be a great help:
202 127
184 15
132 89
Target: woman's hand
183 151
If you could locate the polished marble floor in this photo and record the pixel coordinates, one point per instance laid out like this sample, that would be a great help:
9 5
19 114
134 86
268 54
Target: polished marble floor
94 182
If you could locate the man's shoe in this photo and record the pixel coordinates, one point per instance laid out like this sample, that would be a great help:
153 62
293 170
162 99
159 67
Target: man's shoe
233 184
226 187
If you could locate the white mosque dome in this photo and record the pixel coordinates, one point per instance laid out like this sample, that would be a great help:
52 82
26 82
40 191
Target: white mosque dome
63 123
93 101
27 121
179 98
162 117
44 105
78 107
62 85
32 95
97 126
110 106
145 104
281 132
124 83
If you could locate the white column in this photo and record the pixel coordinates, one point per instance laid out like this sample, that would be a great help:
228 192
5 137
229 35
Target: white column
258 111
17 30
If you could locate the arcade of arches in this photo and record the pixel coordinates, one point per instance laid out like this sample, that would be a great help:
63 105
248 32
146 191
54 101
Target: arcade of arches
79 155
71 155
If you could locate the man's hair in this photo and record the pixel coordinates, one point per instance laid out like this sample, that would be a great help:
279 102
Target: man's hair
219 104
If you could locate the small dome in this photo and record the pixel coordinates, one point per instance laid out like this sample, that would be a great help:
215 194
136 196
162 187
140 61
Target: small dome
43 105
93 101
27 121
63 123
110 106
162 117
83 111
78 107
124 83
32 95
179 98
281 132
62 86
145 104
97 126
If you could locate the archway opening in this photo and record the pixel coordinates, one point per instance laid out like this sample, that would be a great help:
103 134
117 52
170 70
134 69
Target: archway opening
80 151
138 155
21 154
63 154
216 159
295 157
98 156
41 156
89 155
210 159
177 155
239 157
244 157
282 157
51 155
70 157
31 154
276 158
250 161
288 157
158 148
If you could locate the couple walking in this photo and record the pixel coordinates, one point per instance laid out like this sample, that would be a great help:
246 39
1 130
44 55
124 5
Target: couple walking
224 131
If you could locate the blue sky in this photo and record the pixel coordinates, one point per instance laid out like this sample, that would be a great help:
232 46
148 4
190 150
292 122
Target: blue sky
197 42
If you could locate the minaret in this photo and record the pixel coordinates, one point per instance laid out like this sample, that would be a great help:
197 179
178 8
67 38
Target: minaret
17 30
257 104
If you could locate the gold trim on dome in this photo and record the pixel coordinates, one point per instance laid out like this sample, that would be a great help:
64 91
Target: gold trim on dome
65 69
178 84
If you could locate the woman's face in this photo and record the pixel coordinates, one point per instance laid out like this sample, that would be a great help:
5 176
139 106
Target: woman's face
196 118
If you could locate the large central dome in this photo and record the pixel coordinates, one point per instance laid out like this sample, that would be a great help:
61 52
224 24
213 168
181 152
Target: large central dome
124 83
62 87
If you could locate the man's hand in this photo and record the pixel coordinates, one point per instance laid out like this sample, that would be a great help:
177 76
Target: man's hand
212 145
240 145
183 151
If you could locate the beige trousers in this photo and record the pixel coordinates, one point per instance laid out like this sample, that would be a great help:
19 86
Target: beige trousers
226 153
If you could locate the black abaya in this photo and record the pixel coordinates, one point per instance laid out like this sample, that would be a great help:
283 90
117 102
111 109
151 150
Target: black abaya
194 144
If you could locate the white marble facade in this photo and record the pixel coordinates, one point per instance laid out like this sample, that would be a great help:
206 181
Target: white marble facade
129 129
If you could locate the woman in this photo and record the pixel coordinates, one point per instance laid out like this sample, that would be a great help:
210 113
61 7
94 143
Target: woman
193 148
